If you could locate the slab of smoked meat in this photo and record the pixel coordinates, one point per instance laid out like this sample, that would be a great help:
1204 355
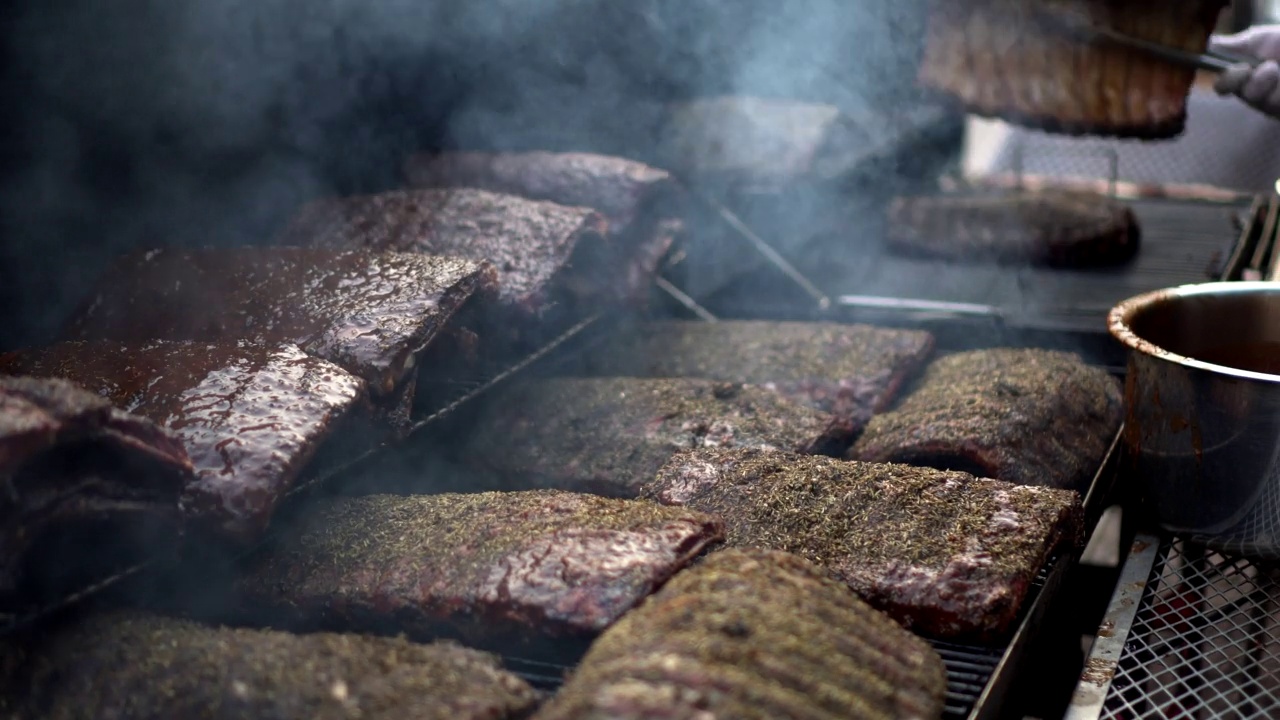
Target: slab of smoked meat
251 417
754 634
87 488
132 666
610 435
370 313
636 198
1004 59
510 570
1047 227
946 554
850 371
553 261
1032 417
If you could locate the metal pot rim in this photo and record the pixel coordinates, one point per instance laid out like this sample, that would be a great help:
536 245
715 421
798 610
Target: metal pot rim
1120 316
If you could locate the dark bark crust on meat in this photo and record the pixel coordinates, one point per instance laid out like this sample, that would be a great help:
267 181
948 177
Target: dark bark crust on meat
495 569
370 313
850 371
134 666
1032 417
754 634
946 554
251 417
85 489
1054 228
610 435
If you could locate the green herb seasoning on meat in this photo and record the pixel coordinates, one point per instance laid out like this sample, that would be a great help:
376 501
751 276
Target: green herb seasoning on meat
942 552
610 435
486 567
1032 417
850 371
129 666
754 634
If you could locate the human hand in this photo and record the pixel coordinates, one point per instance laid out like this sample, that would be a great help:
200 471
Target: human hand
1258 85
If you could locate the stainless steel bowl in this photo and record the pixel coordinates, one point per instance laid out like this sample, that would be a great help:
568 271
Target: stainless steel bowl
1202 397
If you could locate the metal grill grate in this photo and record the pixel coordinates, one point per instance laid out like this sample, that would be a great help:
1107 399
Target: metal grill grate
1202 643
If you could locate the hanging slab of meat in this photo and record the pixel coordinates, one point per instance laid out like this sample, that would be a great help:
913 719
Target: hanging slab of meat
946 554
635 197
609 435
251 417
87 488
850 371
552 260
504 569
1055 228
1005 59
1032 417
370 313
134 666
754 634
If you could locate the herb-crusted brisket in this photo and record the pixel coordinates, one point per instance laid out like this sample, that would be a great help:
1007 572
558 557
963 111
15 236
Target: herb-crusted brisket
850 371
753 634
944 553
134 666
610 435
88 488
1033 417
1055 228
515 568
251 417
370 313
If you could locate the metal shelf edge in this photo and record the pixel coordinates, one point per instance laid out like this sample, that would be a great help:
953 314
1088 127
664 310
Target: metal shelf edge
1104 656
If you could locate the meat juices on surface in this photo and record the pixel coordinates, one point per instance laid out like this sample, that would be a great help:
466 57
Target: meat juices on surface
1055 228
999 58
946 554
543 252
134 666
502 569
370 313
851 371
609 435
643 205
621 189
87 488
250 417
1032 417
751 633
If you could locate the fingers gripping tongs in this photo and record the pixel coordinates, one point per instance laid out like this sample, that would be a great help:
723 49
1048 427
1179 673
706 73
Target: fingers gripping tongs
1072 22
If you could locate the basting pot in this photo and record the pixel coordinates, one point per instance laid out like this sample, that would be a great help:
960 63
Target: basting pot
1202 410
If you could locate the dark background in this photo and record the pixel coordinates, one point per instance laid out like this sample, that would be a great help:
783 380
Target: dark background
206 123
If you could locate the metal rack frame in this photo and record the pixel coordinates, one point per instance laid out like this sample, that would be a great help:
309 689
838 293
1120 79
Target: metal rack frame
1189 633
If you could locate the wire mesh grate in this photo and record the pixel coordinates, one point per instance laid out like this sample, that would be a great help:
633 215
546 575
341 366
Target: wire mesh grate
1203 642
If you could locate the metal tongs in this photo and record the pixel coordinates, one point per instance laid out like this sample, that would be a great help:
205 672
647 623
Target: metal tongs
1080 26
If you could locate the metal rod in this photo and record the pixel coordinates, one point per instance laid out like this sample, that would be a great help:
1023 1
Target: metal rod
1252 228
1266 241
689 303
767 250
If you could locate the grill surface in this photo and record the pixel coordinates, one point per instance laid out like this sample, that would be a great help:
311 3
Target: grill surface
1180 242
1201 642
